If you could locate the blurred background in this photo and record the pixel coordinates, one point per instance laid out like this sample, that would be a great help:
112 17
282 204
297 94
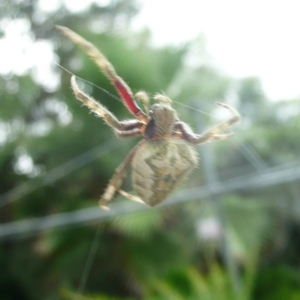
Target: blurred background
231 232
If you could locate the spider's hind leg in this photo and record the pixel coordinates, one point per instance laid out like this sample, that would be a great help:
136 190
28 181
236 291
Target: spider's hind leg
131 197
116 181
112 188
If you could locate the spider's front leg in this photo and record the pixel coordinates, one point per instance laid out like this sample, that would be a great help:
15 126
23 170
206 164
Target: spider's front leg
108 69
125 128
185 132
116 181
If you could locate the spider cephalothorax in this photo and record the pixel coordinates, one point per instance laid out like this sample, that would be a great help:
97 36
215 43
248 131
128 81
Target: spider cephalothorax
161 123
166 156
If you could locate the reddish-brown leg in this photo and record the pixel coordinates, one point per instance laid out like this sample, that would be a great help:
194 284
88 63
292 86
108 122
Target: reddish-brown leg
107 68
101 111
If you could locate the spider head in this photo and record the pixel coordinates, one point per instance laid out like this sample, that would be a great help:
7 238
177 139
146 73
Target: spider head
162 120
162 111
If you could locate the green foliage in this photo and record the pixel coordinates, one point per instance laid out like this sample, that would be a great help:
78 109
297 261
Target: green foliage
248 234
180 284
68 295
279 282
138 225
190 284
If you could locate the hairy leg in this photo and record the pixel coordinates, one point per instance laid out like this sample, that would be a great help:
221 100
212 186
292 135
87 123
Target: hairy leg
116 181
184 131
131 197
143 97
102 111
108 70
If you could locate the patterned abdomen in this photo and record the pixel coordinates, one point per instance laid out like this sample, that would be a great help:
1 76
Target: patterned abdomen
159 166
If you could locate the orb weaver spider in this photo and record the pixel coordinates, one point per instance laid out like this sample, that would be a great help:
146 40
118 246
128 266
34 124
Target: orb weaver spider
165 157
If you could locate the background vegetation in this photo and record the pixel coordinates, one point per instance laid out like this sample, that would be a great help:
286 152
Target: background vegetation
236 237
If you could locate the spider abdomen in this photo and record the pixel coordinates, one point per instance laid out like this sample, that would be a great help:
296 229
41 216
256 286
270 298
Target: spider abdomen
159 166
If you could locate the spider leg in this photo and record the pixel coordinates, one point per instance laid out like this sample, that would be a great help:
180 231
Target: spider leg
221 136
107 68
116 181
143 97
185 132
103 112
235 116
131 197
128 133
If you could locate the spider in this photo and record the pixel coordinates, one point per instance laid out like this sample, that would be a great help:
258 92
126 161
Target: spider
165 157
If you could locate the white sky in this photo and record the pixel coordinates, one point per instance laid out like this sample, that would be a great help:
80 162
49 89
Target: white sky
245 38
257 37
